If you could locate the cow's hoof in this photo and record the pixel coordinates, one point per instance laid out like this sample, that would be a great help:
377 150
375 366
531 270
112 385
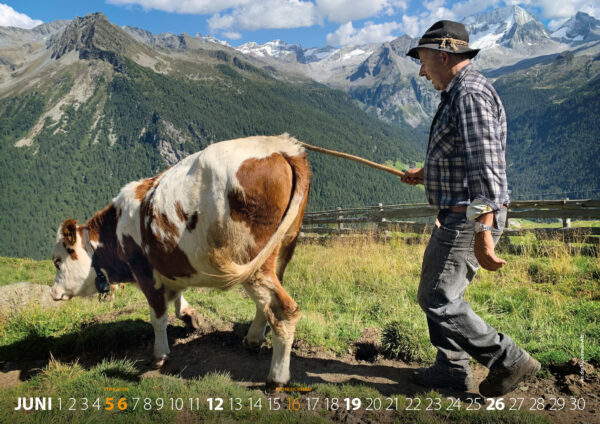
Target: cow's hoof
158 362
252 344
273 386
193 320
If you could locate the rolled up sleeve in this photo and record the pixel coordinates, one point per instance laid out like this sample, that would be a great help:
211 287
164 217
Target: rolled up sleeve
481 130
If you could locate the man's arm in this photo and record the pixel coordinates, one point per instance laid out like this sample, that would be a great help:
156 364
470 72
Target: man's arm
484 160
484 245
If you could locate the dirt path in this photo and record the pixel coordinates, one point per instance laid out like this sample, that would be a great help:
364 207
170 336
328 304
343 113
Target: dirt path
218 349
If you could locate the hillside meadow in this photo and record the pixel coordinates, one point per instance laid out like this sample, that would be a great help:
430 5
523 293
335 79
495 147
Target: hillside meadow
349 290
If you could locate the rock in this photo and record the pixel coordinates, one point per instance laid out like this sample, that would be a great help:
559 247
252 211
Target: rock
15 297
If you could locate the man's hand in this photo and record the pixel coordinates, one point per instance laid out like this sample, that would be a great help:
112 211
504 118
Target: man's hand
413 176
484 247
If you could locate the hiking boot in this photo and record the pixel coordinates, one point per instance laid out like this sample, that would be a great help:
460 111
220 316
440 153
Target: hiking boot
504 380
436 377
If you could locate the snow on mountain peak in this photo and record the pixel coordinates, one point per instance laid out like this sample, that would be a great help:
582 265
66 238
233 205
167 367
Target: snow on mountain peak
578 28
499 27
275 48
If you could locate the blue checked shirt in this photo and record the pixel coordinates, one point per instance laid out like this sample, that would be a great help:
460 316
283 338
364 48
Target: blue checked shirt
465 162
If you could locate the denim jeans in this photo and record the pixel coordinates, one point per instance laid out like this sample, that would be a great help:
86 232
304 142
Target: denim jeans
457 332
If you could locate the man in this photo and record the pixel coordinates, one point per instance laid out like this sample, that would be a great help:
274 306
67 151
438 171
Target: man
465 178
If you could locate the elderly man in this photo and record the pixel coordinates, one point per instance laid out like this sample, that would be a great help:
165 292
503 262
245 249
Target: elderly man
465 178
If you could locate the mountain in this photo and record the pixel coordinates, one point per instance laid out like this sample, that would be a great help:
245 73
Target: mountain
580 28
385 82
387 85
86 106
507 36
290 53
171 41
543 78
552 131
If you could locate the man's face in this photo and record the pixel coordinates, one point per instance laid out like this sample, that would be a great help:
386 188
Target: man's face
432 68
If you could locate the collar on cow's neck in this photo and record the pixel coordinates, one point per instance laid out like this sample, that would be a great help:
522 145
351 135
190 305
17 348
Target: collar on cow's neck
87 243
102 282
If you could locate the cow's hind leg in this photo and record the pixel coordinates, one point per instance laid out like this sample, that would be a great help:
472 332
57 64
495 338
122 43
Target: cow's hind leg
186 313
282 314
256 332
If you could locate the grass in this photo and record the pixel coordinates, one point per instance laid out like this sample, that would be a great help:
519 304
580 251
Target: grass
14 270
545 302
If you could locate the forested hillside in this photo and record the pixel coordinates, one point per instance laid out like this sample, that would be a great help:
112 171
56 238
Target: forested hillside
553 130
137 121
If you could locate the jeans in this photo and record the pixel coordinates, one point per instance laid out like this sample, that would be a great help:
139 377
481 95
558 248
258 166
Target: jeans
449 265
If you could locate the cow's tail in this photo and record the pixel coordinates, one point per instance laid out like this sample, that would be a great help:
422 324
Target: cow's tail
231 273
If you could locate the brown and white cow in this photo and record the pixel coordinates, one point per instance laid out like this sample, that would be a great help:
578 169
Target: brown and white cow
228 214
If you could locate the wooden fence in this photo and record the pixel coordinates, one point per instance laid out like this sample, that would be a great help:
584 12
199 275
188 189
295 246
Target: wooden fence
383 218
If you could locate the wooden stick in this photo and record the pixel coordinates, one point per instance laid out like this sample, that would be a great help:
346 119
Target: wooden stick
354 158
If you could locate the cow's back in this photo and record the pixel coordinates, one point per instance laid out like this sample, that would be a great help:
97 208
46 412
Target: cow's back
229 196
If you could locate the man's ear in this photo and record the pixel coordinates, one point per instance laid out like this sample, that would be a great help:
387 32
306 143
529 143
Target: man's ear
445 56
69 231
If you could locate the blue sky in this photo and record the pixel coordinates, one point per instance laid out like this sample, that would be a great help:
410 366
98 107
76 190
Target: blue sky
308 22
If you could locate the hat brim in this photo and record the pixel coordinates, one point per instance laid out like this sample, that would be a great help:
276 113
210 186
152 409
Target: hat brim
471 53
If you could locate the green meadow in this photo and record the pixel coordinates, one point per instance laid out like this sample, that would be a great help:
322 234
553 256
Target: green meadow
546 298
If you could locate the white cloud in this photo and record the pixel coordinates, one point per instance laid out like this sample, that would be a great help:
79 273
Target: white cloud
194 7
232 35
350 10
412 25
435 10
371 33
10 17
266 14
463 9
232 16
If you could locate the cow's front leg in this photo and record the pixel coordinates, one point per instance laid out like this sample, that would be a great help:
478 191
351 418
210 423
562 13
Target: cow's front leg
186 313
161 343
256 332
155 294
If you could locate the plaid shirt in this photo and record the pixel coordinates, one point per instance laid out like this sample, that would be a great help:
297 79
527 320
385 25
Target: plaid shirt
465 161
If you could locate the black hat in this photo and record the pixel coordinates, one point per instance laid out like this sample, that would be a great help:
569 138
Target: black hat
447 36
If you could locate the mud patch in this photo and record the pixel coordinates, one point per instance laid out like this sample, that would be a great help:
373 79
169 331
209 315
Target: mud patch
367 348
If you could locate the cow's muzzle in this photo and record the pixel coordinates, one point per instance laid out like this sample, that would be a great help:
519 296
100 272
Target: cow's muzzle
59 296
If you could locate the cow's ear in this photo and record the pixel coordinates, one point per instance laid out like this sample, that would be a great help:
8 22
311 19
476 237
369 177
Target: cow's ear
69 231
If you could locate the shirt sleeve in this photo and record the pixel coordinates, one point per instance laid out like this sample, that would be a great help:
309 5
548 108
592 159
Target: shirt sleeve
480 130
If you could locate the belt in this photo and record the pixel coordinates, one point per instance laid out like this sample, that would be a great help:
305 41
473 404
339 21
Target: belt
461 209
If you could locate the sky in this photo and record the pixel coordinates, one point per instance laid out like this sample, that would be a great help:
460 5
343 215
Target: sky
311 23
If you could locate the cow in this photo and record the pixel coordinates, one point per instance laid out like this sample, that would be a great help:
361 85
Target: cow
229 214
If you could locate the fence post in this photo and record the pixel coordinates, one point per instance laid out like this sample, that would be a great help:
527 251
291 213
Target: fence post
566 222
381 227
340 217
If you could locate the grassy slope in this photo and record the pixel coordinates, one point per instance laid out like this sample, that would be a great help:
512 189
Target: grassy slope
545 301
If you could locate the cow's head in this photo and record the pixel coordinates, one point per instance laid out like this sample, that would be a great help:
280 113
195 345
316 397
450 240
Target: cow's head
75 275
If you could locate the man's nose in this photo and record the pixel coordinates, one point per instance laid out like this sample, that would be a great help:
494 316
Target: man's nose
422 71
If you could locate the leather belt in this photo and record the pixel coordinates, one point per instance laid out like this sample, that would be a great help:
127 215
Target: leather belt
462 209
